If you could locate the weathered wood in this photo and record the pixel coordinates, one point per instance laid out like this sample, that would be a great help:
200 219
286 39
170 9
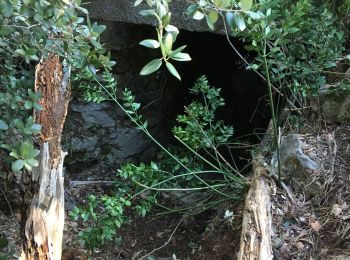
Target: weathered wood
257 219
256 225
43 191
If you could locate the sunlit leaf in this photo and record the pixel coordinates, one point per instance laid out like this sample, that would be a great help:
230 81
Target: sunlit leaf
149 43
246 4
3 125
17 165
151 67
172 70
198 15
181 57
168 43
239 21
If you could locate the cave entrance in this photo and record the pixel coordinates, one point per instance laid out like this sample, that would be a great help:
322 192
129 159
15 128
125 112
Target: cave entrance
162 96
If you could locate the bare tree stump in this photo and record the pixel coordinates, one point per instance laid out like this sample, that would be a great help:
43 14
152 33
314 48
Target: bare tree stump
43 191
257 220
256 225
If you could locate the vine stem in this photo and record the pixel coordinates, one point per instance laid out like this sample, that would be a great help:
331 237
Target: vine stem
272 107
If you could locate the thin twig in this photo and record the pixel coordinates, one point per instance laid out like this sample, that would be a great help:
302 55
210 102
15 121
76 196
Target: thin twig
283 185
165 244
8 203
77 183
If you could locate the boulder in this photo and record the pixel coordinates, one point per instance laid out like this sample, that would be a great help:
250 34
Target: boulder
124 11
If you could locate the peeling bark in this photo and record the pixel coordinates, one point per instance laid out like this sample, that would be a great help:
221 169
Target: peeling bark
257 219
43 191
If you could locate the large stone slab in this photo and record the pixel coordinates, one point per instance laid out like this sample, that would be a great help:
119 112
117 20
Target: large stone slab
124 11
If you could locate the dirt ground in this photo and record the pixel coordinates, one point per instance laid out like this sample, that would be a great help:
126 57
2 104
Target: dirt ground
315 226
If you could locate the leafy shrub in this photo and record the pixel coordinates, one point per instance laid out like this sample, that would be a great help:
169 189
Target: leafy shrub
30 30
181 169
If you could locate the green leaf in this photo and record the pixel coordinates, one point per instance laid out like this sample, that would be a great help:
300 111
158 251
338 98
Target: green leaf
149 43
151 67
154 166
214 16
25 149
168 43
173 53
172 70
32 162
137 2
166 19
7 8
210 23
3 125
239 21
191 10
14 154
17 165
181 57
246 5
148 13
254 15
198 15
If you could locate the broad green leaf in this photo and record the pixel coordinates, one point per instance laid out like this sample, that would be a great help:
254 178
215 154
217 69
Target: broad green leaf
168 43
154 166
33 153
27 166
161 10
213 15
36 128
14 154
173 53
148 13
229 19
172 28
209 23
151 67
82 10
3 125
32 162
181 57
172 70
268 12
7 8
198 15
17 165
191 10
226 3
26 149
254 15
166 19
137 2
239 21
149 43
246 5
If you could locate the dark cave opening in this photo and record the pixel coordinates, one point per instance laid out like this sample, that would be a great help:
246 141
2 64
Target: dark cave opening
163 97
245 93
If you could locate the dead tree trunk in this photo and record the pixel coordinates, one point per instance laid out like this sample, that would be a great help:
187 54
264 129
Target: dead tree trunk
43 191
257 220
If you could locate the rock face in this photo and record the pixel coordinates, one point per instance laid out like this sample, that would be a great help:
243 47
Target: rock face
333 104
95 133
102 133
124 11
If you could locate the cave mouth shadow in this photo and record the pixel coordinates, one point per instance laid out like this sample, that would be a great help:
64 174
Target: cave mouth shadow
244 91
